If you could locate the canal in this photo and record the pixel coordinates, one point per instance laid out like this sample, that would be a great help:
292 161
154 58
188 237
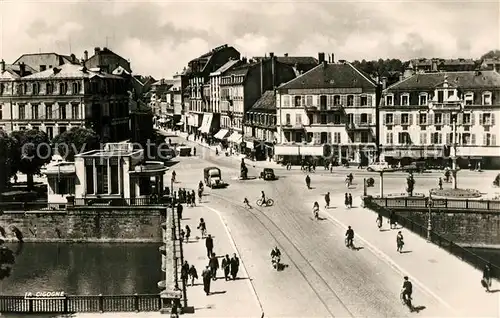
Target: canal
82 269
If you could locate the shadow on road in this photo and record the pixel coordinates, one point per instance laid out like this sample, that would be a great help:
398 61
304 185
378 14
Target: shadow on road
405 252
218 292
418 309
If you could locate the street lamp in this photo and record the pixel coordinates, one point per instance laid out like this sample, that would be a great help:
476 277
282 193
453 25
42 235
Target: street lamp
454 168
429 221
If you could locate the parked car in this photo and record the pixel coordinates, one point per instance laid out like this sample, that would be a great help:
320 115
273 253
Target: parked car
378 166
267 174
213 177
183 150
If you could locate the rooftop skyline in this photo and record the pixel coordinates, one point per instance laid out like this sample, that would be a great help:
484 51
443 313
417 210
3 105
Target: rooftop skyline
159 38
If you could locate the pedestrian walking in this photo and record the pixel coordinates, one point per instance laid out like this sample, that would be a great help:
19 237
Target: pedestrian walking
486 281
209 244
346 200
289 166
202 227
440 183
379 221
226 266
399 242
327 200
235 266
182 233
206 275
194 151
214 266
393 222
308 182
179 211
185 273
188 200
193 274
188 233
350 200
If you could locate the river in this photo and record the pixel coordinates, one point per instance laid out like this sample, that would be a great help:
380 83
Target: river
82 269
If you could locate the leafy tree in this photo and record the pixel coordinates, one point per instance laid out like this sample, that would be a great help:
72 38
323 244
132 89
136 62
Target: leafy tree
491 54
33 151
8 151
75 141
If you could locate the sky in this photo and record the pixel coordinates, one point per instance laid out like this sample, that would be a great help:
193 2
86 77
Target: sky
161 37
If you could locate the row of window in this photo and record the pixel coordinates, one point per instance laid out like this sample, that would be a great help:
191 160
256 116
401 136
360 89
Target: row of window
63 88
320 138
261 119
438 119
98 180
462 139
326 101
49 130
50 112
336 119
440 96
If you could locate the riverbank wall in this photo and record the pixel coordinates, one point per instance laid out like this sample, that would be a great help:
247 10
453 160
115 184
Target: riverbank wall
79 224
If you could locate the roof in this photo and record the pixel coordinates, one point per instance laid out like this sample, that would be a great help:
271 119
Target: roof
338 75
168 82
428 62
292 60
469 79
15 71
120 71
266 101
225 67
66 58
70 71
241 70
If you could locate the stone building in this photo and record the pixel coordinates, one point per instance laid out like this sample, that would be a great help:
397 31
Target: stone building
329 112
418 116
242 86
43 61
63 97
106 60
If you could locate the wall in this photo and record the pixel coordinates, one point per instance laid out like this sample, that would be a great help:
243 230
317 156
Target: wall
88 224
466 228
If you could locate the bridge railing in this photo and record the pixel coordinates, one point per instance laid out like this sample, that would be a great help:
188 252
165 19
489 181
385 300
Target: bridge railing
421 202
444 243
82 303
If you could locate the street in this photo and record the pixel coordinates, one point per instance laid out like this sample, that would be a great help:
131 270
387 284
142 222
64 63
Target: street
322 277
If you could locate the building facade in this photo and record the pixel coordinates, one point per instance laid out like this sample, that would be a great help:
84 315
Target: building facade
425 115
329 112
242 86
200 69
106 60
63 97
259 128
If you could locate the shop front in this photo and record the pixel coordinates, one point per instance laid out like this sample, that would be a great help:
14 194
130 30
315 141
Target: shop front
194 122
432 156
235 141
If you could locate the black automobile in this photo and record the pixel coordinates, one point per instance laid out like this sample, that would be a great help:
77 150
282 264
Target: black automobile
268 174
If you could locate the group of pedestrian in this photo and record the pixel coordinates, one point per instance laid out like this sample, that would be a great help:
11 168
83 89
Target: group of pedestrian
348 200
230 266
185 234
188 272
186 196
191 198
392 221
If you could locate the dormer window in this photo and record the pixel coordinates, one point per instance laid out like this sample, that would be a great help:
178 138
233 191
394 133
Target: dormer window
422 99
487 98
469 98
389 100
405 99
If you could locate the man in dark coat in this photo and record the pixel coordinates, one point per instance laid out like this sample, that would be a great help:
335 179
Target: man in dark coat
235 266
179 211
214 266
206 275
226 266
209 244
185 272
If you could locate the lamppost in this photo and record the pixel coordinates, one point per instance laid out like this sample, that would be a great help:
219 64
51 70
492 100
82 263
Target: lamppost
429 220
454 168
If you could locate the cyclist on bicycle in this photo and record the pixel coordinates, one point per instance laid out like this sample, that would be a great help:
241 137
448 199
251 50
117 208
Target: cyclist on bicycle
200 186
275 256
263 198
349 236
316 210
245 201
406 292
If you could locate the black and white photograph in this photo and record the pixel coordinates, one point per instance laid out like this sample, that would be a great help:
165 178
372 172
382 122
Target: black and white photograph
257 159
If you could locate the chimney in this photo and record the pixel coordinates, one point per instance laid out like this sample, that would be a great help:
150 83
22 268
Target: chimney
22 69
321 57
73 59
333 58
273 71
97 50
262 77
286 54
85 55
434 65
384 82
2 66
271 54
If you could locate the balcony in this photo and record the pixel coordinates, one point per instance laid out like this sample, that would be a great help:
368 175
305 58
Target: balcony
359 126
293 127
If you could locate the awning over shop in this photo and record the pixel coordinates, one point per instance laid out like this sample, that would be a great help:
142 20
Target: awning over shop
207 123
311 150
235 137
180 123
249 144
222 134
286 150
193 120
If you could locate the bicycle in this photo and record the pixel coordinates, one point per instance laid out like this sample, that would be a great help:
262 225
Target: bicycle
269 202
349 243
406 301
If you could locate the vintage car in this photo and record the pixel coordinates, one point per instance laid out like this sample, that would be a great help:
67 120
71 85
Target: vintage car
378 166
183 150
213 177
267 174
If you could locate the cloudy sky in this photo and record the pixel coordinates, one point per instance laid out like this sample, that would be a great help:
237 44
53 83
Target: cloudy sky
160 37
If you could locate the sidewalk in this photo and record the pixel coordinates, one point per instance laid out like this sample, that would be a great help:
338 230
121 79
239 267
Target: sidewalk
432 270
230 298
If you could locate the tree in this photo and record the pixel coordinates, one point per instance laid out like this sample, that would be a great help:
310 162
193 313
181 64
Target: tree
8 150
33 151
491 54
75 141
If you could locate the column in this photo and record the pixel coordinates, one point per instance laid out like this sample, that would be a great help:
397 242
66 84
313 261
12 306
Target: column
381 191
